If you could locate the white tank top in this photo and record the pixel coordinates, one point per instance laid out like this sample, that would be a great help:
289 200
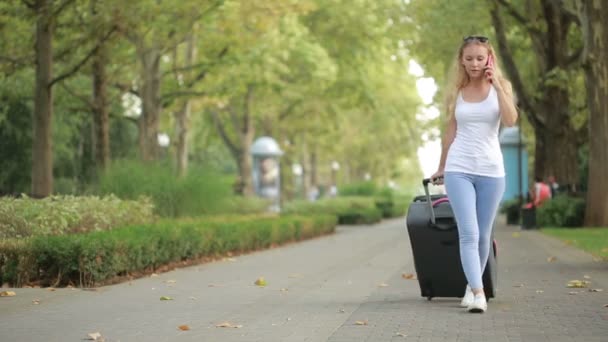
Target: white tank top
475 149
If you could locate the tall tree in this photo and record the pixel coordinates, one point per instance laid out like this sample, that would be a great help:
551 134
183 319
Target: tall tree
593 16
546 102
42 153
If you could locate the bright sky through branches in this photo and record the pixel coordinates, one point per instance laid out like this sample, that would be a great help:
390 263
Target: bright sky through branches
430 152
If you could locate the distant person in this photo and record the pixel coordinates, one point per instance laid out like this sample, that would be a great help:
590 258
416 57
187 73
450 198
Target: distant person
479 99
333 191
313 193
553 185
542 192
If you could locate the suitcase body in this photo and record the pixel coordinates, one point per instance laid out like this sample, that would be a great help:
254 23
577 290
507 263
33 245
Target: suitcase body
433 235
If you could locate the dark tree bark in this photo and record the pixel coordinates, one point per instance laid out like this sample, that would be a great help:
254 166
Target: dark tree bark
593 15
549 112
42 146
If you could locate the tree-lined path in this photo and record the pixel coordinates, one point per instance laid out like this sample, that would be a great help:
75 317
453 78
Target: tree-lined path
345 287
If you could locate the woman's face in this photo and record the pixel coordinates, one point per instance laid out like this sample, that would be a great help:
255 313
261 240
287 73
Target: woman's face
474 58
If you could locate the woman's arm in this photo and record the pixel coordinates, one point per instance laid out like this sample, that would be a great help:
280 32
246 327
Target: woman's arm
508 112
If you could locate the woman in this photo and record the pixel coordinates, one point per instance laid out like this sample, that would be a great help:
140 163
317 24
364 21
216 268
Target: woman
471 165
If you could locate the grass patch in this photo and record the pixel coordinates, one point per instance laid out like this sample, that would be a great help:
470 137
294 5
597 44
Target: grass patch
591 240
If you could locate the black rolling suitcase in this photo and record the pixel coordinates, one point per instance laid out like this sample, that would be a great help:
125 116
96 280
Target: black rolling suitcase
434 237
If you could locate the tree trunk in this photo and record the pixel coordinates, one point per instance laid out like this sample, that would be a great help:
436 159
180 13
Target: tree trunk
247 134
182 119
151 106
182 126
549 112
556 141
101 114
593 16
314 181
42 147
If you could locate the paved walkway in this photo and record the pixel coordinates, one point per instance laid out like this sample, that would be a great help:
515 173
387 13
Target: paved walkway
318 290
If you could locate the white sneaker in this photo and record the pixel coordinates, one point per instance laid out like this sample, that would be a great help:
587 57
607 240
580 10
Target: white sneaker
468 297
479 304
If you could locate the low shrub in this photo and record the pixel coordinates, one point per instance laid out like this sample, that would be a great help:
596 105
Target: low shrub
96 257
55 215
200 192
348 210
561 211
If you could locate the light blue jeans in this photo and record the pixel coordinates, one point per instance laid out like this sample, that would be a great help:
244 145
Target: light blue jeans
475 200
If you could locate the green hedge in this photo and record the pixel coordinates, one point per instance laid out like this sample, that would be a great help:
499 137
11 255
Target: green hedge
96 257
55 215
561 211
348 210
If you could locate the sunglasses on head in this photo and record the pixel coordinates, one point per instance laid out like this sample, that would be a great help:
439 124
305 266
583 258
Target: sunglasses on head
480 39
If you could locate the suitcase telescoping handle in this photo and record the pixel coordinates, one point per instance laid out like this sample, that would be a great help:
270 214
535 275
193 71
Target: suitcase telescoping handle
425 183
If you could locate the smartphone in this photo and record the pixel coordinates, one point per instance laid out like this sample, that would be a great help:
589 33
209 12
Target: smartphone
490 63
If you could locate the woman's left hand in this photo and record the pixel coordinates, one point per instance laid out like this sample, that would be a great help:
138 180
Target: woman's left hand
489 72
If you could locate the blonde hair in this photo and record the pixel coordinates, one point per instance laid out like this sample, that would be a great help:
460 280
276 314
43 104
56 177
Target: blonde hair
459 78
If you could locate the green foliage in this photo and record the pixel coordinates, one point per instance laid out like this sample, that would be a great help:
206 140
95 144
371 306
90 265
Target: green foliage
15 140
90 259
57 215
367 188
200 192
561 211
348 210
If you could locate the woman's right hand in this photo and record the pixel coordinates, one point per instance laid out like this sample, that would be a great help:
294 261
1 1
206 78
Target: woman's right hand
437 178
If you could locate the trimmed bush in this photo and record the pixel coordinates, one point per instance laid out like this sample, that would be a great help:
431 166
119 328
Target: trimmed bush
55 215
348 210
96 257
561 211
367 188
200 192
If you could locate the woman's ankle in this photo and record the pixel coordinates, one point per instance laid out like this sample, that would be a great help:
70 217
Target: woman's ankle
478 291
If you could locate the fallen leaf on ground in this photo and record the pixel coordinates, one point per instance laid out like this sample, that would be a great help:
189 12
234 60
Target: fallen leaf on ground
94 337
400 334
361 322
382 285
165 298
228 325
7 294
515 235
183 327
36 301
596 290
260 281
193 298
577 283
408 276
539 291
551 259
341 311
